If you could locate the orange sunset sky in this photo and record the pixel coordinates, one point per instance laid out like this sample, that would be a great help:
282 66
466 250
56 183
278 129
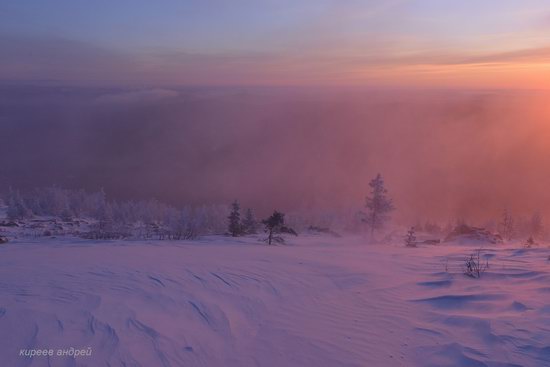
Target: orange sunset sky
410 43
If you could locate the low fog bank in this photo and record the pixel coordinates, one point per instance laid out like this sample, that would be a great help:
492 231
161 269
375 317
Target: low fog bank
444 155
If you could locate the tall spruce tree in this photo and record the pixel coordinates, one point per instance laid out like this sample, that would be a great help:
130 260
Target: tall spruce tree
235 227
378 204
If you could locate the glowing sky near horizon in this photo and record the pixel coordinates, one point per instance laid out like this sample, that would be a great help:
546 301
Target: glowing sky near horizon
441 43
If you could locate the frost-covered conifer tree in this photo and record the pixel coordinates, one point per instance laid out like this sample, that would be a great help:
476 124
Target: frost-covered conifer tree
378 204
250 224
17 208
235 227
507 226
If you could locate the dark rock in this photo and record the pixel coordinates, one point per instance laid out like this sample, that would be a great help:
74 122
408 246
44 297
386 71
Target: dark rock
465 232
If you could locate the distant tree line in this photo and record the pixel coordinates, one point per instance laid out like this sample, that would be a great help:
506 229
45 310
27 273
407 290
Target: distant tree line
116 219
151 219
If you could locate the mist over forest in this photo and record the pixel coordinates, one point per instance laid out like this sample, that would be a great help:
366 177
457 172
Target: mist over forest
443 154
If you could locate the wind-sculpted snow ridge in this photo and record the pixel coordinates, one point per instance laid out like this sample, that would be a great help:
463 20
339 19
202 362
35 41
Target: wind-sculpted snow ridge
321 301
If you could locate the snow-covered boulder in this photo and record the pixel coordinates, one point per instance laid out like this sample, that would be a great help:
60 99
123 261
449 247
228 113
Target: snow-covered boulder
467 234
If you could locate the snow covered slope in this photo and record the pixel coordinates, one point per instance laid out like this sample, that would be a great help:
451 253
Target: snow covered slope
224 302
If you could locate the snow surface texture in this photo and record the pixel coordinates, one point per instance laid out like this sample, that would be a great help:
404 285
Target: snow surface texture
321 301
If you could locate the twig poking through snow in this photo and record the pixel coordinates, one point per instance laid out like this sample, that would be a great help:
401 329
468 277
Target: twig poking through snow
473 266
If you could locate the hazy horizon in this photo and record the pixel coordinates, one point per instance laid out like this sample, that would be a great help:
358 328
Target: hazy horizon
444 155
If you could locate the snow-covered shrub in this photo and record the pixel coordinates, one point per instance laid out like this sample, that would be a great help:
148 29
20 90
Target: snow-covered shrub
17 207
473 265
182 225
410 238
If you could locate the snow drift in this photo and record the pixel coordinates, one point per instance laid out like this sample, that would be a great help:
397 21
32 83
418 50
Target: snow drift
320 301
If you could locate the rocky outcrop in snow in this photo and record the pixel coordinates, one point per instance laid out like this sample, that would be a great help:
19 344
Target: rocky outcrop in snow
468 234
